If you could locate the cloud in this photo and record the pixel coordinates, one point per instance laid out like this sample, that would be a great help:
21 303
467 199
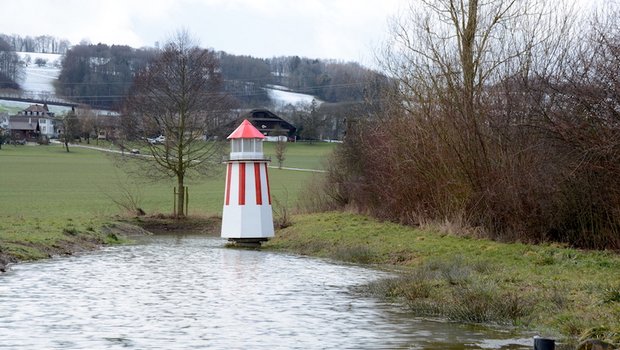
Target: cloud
341 29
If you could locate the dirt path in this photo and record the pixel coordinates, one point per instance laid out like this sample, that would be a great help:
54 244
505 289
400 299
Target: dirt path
144 155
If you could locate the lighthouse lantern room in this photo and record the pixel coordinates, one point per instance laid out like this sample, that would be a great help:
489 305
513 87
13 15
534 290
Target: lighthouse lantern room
247 215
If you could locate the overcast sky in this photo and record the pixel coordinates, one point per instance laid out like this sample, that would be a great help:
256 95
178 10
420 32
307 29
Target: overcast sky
340 29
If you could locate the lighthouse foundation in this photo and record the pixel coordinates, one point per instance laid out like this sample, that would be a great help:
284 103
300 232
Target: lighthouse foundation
251 243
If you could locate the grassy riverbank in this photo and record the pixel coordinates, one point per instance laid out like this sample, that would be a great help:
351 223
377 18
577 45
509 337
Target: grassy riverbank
555 290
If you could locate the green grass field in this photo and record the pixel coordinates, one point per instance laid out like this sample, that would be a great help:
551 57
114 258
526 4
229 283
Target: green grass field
48 195
302 155
45 182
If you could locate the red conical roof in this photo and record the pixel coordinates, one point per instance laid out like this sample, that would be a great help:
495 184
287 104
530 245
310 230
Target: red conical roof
246 131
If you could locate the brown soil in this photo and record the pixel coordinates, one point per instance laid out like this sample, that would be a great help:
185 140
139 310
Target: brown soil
161 224
67 246
140 226
5 260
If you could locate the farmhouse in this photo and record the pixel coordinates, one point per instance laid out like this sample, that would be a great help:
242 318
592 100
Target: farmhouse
268 123
32 123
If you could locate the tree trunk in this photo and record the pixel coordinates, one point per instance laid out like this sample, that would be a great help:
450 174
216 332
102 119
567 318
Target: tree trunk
180 209
67 145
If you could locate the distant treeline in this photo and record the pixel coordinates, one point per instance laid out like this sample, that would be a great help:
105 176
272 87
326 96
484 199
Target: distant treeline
100 75
328 80
41 43
10 68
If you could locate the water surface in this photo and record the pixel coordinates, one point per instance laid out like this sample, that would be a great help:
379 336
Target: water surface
192 293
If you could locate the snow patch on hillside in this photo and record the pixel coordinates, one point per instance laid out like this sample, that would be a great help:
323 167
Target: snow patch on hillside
282 98
37 78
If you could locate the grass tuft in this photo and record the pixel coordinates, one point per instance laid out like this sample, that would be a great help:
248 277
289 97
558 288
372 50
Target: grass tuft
356 254
71 231
611 294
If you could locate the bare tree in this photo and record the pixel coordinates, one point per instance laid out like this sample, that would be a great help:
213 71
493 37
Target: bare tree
478 132
177 97
280 151
70 128
446 53
4 136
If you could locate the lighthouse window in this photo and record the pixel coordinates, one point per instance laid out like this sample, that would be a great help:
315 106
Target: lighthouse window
259 146
236 145
248 145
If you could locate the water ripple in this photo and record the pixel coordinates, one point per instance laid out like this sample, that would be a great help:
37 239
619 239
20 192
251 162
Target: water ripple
190 293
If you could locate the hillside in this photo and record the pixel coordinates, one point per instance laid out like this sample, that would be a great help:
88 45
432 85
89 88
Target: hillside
40 78
315 95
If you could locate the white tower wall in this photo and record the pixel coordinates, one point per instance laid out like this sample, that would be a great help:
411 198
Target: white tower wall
247 211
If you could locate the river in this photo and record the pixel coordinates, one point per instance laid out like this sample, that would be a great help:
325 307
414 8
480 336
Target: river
190 292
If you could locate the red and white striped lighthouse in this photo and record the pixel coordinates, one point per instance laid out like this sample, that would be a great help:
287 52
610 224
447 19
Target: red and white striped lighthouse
247 214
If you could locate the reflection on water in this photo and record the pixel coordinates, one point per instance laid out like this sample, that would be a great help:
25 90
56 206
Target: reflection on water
191 293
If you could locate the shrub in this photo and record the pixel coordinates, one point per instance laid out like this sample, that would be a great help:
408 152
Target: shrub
524 153
454 290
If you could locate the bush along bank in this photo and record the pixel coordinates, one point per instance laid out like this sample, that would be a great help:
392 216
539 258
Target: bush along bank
557 291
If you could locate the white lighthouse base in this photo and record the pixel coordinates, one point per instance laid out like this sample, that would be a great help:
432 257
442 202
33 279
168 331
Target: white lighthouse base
244 222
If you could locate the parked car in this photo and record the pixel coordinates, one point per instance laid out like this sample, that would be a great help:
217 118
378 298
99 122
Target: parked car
157 140
18 142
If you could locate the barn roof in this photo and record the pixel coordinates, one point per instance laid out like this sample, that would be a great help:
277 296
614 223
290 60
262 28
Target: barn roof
246 131
268 122
37 108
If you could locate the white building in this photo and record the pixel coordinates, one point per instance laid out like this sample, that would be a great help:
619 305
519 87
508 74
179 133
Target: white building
247 214
45 118
34 122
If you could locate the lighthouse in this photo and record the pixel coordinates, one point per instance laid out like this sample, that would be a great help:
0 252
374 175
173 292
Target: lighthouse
247 215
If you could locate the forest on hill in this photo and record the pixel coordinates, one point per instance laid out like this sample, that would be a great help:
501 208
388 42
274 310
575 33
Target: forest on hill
101 76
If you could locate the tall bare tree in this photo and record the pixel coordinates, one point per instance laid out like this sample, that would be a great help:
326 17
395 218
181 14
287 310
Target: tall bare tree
474 134
70 128
446 53
178 97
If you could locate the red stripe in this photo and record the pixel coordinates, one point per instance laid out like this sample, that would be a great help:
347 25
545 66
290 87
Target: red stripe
268 189
228 176
241 183
257 184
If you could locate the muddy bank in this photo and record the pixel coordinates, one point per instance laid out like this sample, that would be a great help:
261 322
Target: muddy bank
67 242
193 225
74 241
15 251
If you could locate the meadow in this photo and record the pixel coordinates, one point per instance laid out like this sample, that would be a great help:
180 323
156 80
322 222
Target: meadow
45 182
48 195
